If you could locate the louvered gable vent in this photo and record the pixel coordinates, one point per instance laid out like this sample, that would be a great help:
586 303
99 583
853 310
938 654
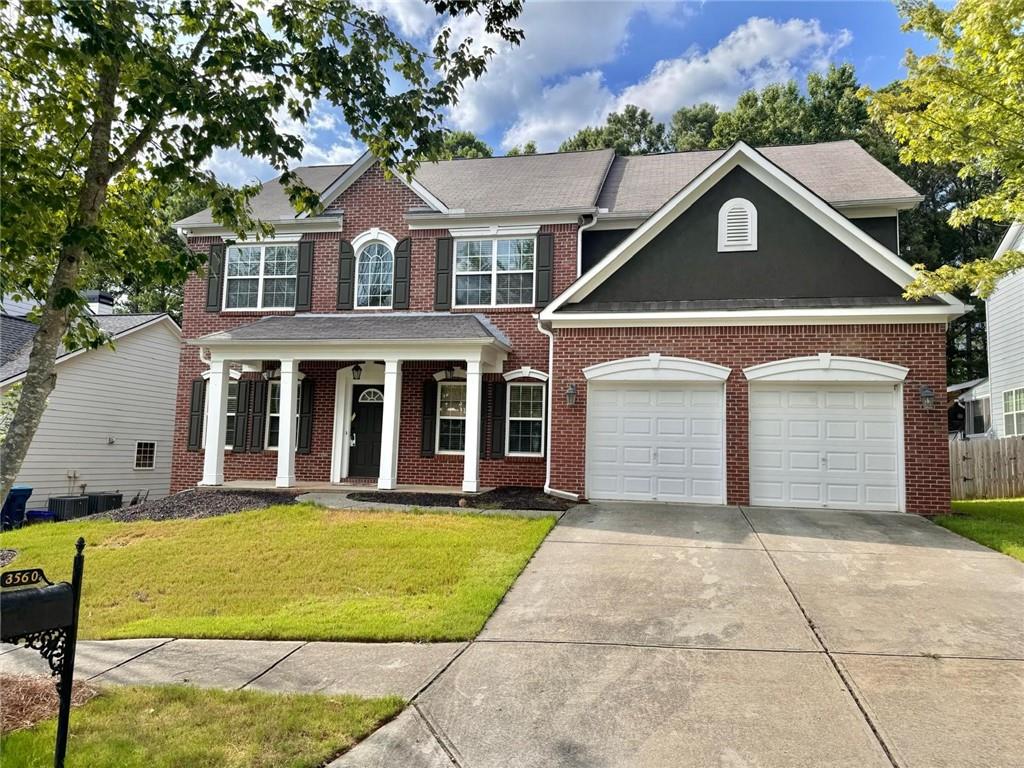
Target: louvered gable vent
737 226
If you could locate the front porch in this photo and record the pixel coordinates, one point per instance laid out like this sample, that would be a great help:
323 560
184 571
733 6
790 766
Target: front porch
359 438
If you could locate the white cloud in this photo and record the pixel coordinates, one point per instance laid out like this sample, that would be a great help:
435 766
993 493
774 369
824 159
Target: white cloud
580 100
758 52
414 18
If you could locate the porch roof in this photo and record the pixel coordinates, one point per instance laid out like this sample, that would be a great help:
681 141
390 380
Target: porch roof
364 327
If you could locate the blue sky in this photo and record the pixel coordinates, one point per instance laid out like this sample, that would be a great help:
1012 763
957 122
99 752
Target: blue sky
583 59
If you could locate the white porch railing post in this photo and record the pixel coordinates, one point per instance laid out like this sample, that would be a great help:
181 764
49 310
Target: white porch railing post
286 421
471 458
388 478
216 422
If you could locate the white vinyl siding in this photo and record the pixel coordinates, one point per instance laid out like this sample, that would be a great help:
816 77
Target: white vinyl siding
107 400
1004 318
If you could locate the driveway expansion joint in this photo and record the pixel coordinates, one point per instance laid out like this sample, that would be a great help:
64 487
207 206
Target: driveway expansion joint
439 737
848 684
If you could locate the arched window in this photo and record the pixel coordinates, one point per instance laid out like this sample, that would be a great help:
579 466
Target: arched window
371 396
375 270
737 226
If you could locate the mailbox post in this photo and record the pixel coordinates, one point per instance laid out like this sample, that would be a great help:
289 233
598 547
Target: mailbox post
45 618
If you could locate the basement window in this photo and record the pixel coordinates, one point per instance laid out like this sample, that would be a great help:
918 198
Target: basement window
145 455
737 226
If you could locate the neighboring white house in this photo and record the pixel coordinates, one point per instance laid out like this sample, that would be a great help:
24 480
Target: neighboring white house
995 406
109 421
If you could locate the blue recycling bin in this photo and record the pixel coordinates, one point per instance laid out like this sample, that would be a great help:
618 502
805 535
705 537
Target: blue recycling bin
13 515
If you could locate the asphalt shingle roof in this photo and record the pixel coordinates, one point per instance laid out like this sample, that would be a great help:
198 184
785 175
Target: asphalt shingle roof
399 326
17 364
15 334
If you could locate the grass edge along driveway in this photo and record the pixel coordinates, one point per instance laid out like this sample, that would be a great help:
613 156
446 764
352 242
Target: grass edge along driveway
170 726
296 572
996 523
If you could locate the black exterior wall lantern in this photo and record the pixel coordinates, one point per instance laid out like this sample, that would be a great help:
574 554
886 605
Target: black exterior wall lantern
927 397
570 395
357 372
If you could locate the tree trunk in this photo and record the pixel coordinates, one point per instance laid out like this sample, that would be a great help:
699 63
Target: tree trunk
53 323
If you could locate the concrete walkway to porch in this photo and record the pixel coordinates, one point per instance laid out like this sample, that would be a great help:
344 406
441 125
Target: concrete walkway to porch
281 666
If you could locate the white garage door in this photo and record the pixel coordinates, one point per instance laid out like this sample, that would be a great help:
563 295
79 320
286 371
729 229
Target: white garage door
655 442
818 445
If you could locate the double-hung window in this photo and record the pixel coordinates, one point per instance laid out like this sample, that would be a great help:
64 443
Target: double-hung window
495 272
261 276
274 412
230 421
525 432
1013 412
451 417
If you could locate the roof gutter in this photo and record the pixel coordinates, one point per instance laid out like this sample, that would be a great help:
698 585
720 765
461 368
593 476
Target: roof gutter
281 226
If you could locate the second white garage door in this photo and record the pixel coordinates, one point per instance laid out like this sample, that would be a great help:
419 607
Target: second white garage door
818 445
656 442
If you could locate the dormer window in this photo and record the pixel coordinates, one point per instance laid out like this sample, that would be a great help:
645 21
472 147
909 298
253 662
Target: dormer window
737 226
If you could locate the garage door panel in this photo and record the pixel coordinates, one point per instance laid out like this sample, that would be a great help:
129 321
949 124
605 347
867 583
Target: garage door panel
828 446
655 442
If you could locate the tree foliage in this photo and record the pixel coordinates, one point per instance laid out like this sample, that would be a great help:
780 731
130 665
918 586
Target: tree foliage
529 148
463 144
964 106
106 105
633 131
693 127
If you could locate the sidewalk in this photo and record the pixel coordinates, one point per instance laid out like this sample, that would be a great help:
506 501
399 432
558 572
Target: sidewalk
282 666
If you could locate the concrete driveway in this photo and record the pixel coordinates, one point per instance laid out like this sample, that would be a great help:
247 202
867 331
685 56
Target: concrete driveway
657 635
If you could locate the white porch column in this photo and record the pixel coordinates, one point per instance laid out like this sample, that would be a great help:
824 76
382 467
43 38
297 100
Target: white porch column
286 428
471 458
388 478
216 422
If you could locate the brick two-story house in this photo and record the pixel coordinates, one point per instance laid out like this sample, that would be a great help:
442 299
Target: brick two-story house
714 327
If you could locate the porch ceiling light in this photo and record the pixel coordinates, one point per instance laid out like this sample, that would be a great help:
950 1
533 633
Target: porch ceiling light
570 395
357 372
927 397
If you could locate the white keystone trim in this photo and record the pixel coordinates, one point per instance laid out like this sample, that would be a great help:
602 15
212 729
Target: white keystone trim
376 234
826 367
656 367
769 174
458 374
495 230
526 372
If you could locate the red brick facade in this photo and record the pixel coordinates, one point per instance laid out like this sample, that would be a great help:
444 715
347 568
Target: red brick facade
921 348
373 201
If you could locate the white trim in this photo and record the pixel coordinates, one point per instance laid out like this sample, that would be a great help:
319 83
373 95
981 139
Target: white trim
261 277
234 374
826 367
160 319
749 242
493 272
361 166
282 227
371 388
1014 231
488 231
526 372
805 201
437 418
359 245
135 458
508 418
299 377
372 375
656 367
457 373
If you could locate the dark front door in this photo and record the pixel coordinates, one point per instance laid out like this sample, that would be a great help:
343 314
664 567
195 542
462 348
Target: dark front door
367 419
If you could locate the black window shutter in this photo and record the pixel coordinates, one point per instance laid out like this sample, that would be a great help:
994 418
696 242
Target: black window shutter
346 274
305 438
545 259
241 445
304 278
215 277
257 415
403 259
196 411
498 389
429 417
443 274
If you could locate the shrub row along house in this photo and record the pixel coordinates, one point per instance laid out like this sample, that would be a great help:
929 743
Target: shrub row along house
714 327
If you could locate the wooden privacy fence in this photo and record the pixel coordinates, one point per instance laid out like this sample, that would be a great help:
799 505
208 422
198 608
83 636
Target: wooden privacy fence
987 469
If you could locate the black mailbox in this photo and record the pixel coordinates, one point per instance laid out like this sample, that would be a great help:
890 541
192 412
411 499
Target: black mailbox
36 609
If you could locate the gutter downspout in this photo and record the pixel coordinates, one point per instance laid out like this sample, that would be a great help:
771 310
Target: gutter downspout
579 241
551 394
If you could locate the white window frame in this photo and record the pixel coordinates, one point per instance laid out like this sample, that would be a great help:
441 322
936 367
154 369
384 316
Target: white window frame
750 244
1012 394
233 377
969 407
298 407
263 245
437 418
359 244
509 418
135 459
493 272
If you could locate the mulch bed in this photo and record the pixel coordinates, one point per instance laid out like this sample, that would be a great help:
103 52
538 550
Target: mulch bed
28 699
6 556
197 504
509 497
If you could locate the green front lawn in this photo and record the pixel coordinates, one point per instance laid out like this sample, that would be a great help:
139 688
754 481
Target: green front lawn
998 524
289 572
172 726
